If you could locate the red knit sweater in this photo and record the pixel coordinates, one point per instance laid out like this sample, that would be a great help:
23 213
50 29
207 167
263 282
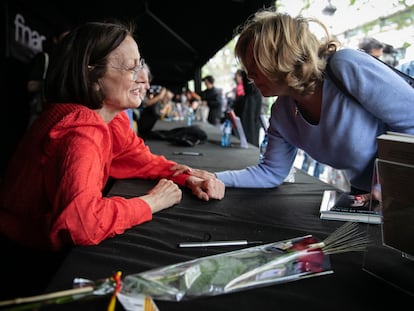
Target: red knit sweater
52 197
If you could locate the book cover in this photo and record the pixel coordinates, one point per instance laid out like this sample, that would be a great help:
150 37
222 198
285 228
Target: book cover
338 205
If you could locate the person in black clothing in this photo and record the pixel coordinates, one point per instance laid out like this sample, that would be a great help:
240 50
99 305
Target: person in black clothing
238 93
371 46
152 103
213 97
248 108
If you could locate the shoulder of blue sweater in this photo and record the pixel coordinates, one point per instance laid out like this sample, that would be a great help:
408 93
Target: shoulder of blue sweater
348 54
348 57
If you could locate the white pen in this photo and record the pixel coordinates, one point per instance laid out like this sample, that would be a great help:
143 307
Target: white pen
190 153
217 243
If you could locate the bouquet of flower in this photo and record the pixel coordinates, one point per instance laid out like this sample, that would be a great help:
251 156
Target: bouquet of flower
267 264
252 267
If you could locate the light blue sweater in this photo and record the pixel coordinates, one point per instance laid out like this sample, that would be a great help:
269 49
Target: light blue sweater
345 137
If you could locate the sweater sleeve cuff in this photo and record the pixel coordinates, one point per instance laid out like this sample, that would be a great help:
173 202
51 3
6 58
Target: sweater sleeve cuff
141 210
180 179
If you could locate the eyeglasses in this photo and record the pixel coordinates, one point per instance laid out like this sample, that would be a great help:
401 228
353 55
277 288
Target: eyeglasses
135 70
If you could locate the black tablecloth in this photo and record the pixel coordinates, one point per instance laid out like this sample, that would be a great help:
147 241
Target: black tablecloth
268 215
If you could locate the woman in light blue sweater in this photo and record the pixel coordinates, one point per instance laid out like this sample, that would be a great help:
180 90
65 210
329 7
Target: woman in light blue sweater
285 59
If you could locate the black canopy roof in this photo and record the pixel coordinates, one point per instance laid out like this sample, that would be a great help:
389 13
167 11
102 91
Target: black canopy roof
175 37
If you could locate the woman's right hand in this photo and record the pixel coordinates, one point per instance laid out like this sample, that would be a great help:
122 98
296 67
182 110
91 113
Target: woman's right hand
164 195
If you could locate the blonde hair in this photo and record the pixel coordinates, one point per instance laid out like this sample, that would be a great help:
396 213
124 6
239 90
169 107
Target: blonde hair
284 49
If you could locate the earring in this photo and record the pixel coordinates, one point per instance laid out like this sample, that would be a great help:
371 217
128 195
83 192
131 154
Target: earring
96 87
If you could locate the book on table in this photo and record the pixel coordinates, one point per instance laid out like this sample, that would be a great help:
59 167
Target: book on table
339 205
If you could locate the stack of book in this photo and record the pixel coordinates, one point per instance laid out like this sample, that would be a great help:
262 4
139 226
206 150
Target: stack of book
395 174
338 205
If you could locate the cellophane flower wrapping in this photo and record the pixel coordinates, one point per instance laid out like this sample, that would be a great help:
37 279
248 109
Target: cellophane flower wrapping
238 270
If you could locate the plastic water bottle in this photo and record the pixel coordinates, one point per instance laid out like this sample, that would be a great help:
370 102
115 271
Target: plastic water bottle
190 116
226 134
262 148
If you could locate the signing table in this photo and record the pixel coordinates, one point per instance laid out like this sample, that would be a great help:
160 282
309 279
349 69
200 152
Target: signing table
268 215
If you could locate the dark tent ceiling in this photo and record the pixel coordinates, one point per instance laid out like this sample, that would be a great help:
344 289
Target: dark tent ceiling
175 37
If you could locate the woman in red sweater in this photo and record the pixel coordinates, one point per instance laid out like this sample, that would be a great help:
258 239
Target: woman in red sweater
51 196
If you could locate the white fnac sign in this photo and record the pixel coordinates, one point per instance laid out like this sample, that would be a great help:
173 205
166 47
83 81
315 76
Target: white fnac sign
26 36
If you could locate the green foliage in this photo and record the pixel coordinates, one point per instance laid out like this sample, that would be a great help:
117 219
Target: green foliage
216 272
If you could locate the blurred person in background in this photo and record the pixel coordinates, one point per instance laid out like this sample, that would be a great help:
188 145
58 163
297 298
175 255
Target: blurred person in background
212 97
248 107
238 93
371 46
154 103
192 99
389 55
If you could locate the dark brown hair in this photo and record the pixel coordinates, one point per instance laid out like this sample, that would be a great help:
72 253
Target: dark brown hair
79 61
